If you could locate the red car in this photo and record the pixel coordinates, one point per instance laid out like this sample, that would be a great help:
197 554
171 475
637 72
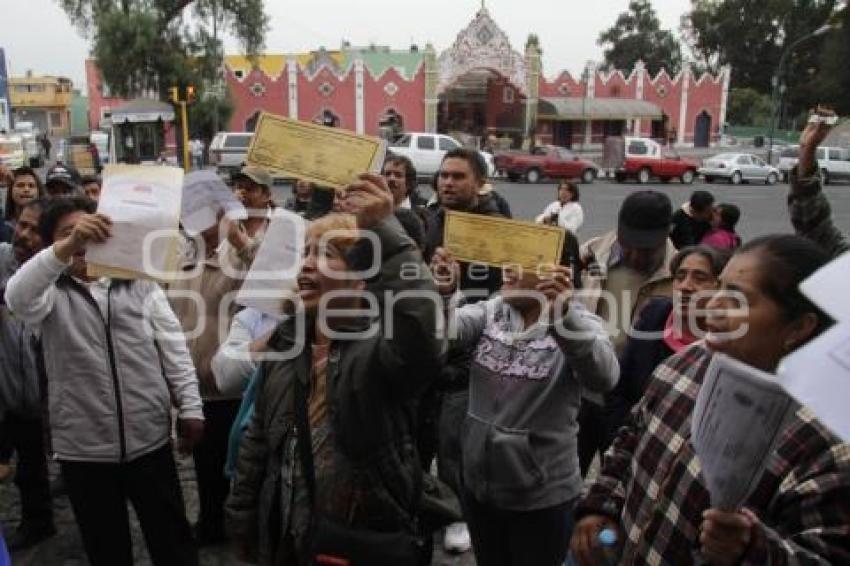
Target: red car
545 161
644 159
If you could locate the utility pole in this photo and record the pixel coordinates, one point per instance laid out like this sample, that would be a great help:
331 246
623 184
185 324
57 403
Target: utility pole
184 119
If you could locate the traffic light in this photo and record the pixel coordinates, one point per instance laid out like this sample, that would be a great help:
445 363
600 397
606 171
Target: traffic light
174 94
190 94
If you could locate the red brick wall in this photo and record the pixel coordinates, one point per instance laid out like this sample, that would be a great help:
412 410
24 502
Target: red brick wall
408 101
273 97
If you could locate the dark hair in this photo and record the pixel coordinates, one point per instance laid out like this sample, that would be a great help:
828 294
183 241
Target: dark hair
572 187
409 168
717 259
12 210
701 200
729 215
90 179
59 207
471 156
786 261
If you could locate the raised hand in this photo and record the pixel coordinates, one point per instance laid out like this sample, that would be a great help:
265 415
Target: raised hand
369 199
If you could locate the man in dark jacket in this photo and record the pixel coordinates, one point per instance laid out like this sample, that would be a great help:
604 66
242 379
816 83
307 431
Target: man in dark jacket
693 220
462 176
20 394
360 382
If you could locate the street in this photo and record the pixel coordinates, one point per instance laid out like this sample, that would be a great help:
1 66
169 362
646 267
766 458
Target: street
763 208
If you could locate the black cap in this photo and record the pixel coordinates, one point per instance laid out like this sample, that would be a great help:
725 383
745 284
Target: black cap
644 220
67 176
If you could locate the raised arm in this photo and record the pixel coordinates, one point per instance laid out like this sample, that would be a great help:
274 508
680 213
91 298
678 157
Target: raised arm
808 207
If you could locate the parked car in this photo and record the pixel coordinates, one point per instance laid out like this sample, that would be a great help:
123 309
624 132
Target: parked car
12 152
834 163
644 159
788 158
228 150
738 168
426 151
545 161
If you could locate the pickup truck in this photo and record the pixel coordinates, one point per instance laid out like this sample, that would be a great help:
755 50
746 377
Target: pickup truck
228 151
545 161
426 151
644 159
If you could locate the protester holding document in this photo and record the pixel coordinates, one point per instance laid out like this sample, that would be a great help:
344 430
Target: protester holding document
327 465
651 489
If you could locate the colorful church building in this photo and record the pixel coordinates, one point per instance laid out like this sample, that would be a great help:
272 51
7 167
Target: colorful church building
478 88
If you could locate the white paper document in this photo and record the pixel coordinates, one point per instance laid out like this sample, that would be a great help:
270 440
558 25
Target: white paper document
204 195
827 288
274 272
818 376
144 205
739 414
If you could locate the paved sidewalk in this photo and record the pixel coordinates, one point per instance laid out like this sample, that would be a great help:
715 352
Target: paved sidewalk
65 549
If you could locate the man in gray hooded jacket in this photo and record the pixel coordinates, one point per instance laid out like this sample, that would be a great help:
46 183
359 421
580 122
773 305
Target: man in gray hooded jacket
115 360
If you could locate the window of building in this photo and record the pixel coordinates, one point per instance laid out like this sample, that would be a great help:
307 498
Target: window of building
55 120
239 74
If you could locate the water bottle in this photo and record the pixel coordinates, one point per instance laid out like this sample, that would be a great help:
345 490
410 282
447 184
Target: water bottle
607 541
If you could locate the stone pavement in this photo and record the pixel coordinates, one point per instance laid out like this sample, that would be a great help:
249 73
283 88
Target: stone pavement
65 549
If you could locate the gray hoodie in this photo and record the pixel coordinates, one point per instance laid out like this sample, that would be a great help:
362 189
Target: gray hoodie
521 430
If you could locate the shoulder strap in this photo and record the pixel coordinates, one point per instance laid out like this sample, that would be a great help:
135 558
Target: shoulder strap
302 427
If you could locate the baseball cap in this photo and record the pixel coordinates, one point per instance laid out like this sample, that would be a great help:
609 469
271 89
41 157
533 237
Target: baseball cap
256 174
64 175
644 220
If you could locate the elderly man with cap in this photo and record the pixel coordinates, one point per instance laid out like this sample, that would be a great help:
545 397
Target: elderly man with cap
252 186
61 181
625 268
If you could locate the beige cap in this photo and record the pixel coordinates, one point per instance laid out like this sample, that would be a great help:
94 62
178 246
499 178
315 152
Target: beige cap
256 174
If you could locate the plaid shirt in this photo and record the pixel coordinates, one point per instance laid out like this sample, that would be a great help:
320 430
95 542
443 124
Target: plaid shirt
811 214
651 480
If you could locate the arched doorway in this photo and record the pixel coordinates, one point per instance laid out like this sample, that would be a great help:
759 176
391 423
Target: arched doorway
327 118
251 122
702 130
480 103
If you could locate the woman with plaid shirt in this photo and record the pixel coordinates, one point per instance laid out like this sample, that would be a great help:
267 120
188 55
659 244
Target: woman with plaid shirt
650 488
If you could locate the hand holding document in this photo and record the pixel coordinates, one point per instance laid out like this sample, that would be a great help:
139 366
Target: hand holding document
500 242
739 414
204 195
273 275
329 157
143 203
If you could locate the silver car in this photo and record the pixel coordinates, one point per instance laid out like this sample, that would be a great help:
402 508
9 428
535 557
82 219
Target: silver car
737 168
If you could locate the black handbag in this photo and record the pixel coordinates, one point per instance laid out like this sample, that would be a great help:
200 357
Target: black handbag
332 544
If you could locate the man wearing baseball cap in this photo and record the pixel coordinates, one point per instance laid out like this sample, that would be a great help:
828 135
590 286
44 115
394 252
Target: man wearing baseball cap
629 266
61 181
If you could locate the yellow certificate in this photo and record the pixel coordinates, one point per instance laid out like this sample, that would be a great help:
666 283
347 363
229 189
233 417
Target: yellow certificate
329 157
500 242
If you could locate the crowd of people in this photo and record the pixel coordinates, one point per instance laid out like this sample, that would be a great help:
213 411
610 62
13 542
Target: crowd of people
522 415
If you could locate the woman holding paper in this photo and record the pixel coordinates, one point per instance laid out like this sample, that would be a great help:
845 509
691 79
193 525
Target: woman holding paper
650 489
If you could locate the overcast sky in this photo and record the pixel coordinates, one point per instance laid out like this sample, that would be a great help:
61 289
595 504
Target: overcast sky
39 36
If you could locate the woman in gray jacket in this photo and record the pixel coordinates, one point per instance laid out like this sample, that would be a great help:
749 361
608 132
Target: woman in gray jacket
534 350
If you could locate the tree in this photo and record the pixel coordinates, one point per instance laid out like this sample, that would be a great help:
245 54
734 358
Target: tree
144 46
751 35
637 35
748 107
833 81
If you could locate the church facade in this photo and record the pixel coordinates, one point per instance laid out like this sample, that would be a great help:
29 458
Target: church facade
480 87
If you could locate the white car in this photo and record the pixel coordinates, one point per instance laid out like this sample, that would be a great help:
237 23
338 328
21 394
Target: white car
12 152
426 151
737 168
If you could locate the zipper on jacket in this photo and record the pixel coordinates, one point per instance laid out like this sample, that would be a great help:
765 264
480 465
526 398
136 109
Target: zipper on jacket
119 405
